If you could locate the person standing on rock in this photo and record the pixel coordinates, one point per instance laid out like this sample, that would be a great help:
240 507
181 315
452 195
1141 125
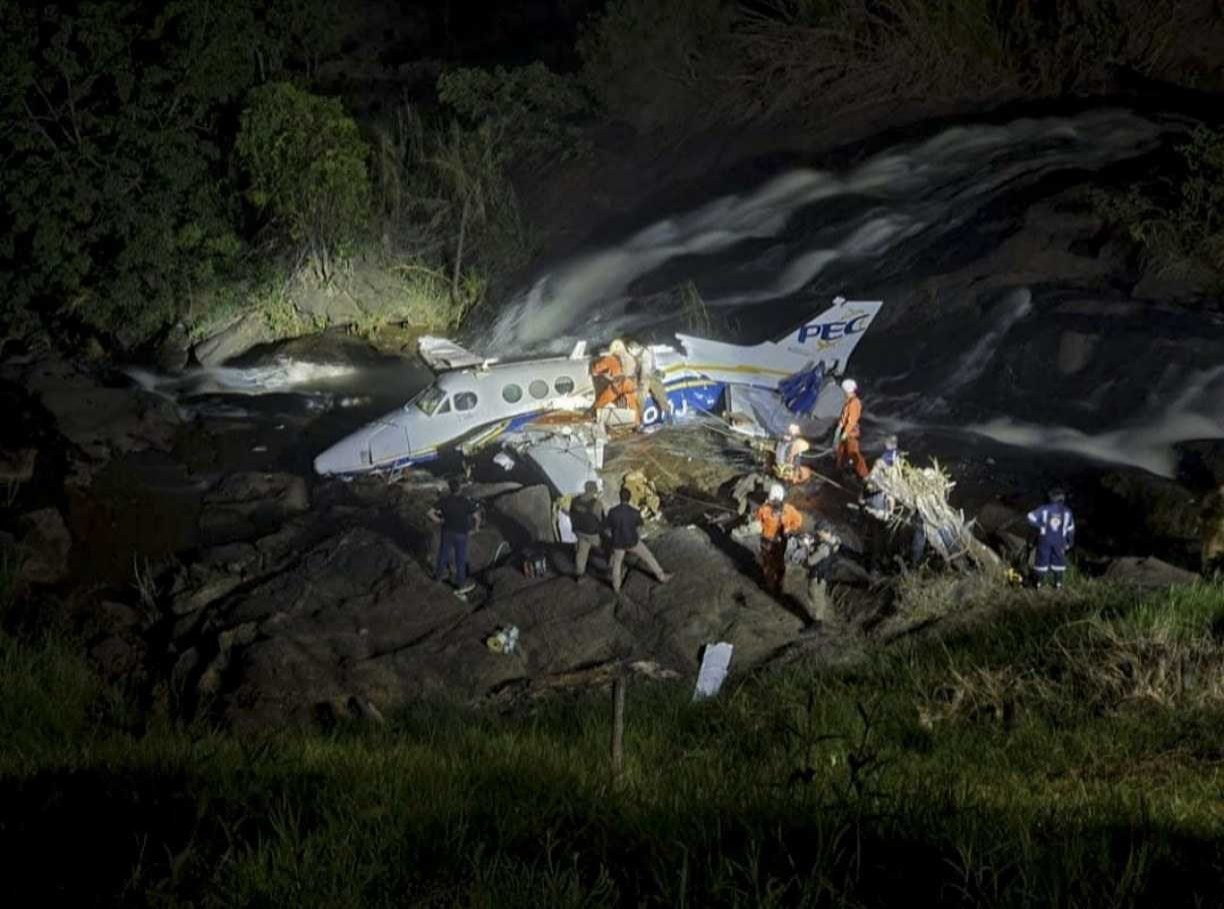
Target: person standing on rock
1055 535
778 520
623 524
587 515
459 516
846 436
822 553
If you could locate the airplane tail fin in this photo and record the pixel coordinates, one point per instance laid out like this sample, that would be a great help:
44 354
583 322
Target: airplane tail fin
831 337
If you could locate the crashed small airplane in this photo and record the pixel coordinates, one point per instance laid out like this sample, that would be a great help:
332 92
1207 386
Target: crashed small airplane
542 408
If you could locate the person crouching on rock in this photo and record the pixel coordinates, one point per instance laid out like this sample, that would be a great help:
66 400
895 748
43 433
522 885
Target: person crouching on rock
778 521
587 514
623 523
1055 535
459 516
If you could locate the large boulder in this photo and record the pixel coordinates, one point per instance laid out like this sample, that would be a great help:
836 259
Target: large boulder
526 515
1145 513
249 505
1152 573
1211 528
354 626
232 340
101 423
17 465
44 547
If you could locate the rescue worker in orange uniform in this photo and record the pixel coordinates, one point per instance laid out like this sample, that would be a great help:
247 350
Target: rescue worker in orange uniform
616 388
846 437
778 521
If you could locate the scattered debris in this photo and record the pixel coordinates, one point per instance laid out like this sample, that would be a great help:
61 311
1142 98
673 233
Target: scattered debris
714 663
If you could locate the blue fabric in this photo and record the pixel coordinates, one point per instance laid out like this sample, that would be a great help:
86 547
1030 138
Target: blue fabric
890 457
1054 520
800 390
453 544
1051 554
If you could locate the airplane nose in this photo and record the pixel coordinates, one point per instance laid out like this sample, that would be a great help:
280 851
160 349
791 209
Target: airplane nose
346 456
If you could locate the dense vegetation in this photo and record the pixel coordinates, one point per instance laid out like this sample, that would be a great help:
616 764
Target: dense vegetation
168 171
1046 751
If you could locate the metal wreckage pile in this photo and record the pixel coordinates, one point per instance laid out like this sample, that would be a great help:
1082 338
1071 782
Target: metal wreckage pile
919 496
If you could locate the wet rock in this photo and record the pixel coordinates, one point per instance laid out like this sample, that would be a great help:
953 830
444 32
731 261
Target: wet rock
234 339
1075 349
44 548
17 465
527 514
118 656
248 505
1148 572
1150 514
356 617
101 423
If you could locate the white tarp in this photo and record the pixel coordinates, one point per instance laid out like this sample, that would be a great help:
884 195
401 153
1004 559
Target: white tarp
714 663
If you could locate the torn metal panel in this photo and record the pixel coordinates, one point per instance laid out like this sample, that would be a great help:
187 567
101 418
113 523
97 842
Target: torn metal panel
568 457
441 355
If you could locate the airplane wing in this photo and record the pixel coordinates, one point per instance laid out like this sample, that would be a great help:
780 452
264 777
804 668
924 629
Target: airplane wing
441 354
568 456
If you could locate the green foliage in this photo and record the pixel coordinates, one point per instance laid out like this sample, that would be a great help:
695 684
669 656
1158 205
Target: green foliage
1178 219
535 112
306 162
112 172
1003 764
654 64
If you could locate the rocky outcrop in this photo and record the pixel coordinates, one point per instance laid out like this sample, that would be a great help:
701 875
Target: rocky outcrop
353 625
17 465
45 543
247 505
1151 573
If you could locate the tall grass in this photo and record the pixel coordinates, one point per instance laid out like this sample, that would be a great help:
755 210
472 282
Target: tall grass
798 787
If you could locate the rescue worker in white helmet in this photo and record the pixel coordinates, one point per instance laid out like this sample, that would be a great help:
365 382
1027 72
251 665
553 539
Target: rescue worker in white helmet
846 436
787 464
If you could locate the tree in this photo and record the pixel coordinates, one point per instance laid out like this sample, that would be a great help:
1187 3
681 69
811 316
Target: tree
306 165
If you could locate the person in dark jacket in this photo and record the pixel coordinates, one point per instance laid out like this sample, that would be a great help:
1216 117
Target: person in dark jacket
623 524
587 515
459 516
821 555
1055 535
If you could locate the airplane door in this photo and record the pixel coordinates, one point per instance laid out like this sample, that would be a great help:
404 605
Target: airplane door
388 443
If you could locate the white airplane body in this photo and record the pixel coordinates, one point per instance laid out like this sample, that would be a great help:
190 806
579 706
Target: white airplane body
534 406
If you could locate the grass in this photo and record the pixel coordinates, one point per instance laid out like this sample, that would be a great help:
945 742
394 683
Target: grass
1025 783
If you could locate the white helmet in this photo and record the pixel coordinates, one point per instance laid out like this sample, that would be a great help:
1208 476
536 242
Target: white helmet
793 429
849 386
776 493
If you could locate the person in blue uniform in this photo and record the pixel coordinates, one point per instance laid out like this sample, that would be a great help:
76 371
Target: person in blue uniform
1055 535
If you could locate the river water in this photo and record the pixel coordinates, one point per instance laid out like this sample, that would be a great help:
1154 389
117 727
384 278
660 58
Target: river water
766 256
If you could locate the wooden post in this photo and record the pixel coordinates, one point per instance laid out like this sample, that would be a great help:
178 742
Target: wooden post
618 729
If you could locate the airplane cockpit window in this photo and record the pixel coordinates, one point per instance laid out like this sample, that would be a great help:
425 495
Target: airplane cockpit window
512 394
564 385
538 389
429 400
445 408
465 400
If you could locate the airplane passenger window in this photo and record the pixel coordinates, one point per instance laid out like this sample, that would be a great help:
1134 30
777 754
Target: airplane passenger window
465 400
512 394
538 389
564 385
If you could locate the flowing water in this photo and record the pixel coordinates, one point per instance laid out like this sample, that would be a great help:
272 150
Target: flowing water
772 254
